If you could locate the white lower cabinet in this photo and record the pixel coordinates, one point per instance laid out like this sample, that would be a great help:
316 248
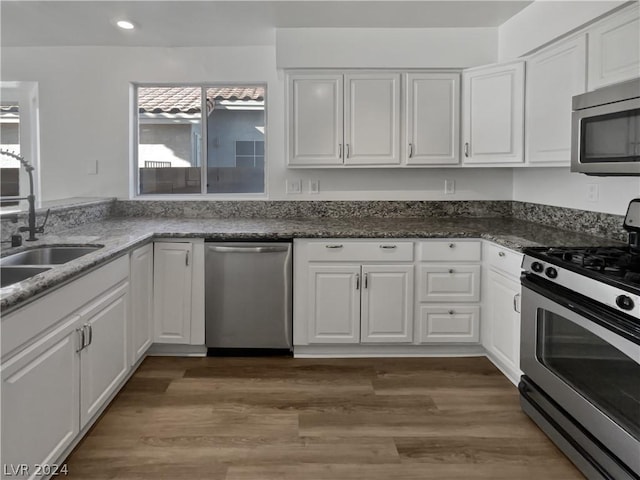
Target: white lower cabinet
360 303
103 360
172 287
141 301
442 324
178 292
501 320
448 288
387 304
40 399
334 303
56 379
356 292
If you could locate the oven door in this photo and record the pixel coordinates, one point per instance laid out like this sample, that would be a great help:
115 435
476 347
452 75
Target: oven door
587 363
606 139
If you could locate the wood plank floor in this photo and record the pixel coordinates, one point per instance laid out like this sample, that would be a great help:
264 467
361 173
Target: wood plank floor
326 419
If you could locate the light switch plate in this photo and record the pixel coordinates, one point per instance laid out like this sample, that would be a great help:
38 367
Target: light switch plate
314 186
92 167
593 192
294 186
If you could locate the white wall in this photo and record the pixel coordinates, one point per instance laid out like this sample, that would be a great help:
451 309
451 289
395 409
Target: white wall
385 47
543 21
559 187
85 110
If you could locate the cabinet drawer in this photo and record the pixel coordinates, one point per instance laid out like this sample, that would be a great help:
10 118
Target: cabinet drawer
449 283
451 324
450 251
503 259
378 251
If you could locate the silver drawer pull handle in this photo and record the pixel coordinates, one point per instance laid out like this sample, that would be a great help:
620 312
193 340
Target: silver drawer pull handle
452 312
452 245
501 254
451 270
333 246
388 247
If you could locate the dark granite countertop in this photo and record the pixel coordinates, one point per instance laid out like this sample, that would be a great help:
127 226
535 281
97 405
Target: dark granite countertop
120 235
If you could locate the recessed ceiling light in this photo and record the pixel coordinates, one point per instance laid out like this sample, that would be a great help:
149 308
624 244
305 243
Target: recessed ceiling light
124 24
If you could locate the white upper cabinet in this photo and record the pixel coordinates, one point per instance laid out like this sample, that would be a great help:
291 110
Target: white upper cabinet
432 119
493 114
372 119
554 76
315 116
614 48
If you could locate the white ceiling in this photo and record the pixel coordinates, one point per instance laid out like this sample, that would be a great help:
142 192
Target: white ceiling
220 23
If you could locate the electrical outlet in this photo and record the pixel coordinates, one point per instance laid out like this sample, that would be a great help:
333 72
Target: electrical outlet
593 192
314 186
449 187
294 186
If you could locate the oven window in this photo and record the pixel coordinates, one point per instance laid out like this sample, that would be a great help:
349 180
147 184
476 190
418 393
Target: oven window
597 370
614 137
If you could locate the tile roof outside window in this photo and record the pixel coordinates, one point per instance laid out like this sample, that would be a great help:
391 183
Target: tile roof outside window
187 99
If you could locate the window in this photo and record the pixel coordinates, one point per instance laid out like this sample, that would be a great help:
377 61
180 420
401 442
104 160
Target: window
9 140
182 150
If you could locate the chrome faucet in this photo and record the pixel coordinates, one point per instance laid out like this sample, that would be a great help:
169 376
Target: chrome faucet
31 198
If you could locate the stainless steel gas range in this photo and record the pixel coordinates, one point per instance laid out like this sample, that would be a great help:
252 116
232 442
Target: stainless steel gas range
580 351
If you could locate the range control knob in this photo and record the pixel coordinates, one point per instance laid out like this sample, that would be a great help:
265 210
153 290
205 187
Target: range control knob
551 272
625 302
537 267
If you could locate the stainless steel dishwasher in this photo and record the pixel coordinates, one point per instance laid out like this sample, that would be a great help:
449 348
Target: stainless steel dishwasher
248 302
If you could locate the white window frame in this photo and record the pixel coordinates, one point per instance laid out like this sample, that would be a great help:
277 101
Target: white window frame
134 184
26 96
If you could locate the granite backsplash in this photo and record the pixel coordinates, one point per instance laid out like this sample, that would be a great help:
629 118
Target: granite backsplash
61 218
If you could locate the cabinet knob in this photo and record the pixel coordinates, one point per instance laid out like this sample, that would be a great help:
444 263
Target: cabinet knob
451 270
339 150
388 247
357 281
411 150
501 254
348 150
452 245
466 149
333 246
452 312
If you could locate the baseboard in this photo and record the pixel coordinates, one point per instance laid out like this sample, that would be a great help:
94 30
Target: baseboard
177 350
360 351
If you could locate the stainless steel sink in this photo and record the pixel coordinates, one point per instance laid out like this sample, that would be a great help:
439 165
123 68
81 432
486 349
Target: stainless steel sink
11 275
47 255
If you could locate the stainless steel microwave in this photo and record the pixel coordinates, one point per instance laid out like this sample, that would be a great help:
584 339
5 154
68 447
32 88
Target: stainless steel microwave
605 130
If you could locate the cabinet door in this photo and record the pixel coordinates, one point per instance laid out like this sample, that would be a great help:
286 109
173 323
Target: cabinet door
432 118
314 121
554 76
40 399
141 321
504 331
372 119
334 303
493 114
614 49
172 292
387 304
103 361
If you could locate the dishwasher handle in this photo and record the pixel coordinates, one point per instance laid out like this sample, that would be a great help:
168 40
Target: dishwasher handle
225 249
